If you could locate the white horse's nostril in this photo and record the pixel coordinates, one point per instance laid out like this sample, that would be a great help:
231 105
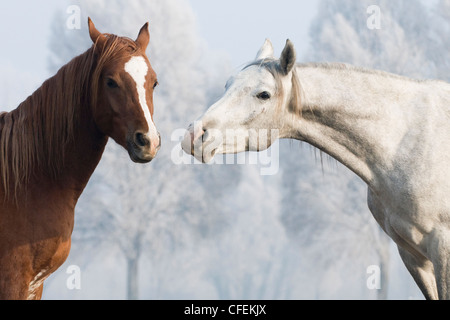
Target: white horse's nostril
205 135
195 136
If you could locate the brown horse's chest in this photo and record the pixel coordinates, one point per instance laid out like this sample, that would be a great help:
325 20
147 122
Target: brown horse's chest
52 232
55 254
33 244
44 227
35 234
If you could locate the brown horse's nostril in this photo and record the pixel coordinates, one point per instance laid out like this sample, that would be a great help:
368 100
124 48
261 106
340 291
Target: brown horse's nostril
141 140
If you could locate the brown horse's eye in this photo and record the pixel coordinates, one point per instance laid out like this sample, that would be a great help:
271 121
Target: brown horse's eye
112 84
156 84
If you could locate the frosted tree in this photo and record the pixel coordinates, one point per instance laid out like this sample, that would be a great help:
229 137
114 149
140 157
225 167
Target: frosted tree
327 210
150 210
264 264
342 32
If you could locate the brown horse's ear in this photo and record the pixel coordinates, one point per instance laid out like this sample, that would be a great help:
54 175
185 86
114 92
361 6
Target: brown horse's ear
96 36
93 32
143 38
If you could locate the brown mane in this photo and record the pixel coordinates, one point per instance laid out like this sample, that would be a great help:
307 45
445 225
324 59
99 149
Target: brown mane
34 137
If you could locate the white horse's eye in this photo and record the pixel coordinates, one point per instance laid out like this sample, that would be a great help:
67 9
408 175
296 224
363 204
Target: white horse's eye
264 96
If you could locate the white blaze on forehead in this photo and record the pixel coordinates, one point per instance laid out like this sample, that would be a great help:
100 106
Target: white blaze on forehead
137 68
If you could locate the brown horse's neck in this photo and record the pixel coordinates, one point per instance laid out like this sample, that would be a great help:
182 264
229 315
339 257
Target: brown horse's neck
82 155
51 140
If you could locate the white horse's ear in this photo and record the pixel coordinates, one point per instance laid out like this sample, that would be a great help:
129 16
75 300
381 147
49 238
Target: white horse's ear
288 57
266 51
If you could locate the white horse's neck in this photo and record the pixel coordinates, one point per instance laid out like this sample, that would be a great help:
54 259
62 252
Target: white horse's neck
357 116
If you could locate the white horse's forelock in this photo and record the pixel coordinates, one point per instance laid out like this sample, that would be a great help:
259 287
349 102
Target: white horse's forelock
273 66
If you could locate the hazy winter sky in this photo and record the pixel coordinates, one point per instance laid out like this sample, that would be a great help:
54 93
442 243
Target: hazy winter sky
235 27
240 27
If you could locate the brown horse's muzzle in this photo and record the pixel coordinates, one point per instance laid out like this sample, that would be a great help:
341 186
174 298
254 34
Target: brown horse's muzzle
141 148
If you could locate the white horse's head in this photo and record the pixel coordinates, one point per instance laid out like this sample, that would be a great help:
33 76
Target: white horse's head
252 113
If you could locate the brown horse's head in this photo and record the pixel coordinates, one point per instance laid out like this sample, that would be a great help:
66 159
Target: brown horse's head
123 93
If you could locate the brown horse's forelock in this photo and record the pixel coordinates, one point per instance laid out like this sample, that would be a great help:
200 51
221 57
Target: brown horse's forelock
35 136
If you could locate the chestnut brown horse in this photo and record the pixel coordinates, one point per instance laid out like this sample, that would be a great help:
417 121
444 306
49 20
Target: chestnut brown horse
51 144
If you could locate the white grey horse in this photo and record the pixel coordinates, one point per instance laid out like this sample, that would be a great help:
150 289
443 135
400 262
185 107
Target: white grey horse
391 131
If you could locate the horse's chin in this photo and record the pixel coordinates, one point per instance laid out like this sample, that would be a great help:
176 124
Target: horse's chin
137 155
204 157
140 160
